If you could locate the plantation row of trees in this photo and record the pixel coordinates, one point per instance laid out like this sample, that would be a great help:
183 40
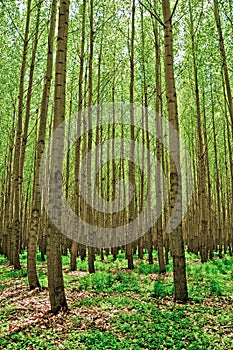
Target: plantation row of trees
59 60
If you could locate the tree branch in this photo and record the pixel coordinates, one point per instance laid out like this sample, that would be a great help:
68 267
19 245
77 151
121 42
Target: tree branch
154 14
174 9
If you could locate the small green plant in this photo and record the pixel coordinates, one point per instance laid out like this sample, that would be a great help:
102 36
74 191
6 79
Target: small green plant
6 274
146 269
159 289
101 281
215 288
84 283
82 266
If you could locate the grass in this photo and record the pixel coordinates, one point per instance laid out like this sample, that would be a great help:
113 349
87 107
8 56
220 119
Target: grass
120 309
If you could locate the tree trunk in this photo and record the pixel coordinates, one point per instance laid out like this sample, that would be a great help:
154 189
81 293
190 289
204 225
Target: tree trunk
91 250
16 227
36 205
74 246
129 253
201 171
224 60
178 254
159 191
55 277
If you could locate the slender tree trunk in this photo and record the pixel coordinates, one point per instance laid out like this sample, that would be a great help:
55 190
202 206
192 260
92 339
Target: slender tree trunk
178 254
29 93
210 234
114 249
159 191
16 227
91 250
36 204
217 181
8 195
74 246
25 134
224 61
129 252
202 193
55 277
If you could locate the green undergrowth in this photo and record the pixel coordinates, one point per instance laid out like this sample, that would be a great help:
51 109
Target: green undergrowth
122 309
211 278
134 324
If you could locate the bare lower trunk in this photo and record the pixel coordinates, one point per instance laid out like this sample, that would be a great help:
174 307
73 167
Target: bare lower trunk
55 277
178 254
36 204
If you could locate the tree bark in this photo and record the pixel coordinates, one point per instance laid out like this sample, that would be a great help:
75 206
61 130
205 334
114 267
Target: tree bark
16 227
129 253
55 277
36 199
178 254
74 247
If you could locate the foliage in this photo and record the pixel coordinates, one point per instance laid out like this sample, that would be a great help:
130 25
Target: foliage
120 309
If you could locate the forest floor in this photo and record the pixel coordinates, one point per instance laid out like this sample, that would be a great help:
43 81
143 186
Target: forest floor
119 309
